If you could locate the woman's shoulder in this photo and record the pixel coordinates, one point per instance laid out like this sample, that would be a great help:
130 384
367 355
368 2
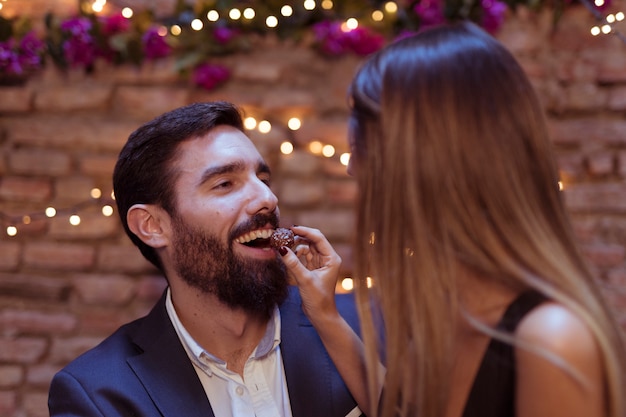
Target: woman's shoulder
554 328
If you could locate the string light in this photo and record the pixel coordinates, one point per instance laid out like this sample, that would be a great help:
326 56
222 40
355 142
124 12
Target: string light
265 126
197 24
327 4
286 10
234 14
286 148
271 21
249 13
294 123
127 12
391 7
309 4
378 16
328 150
213 15
249 123
344 158
176 30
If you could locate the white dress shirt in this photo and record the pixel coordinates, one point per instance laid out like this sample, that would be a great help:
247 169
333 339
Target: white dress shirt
262 392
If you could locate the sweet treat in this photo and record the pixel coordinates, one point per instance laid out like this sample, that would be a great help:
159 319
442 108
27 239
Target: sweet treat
282 237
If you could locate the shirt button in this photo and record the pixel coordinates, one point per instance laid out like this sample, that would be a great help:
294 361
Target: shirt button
239 390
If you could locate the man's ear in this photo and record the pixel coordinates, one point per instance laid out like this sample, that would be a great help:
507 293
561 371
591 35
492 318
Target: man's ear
150 223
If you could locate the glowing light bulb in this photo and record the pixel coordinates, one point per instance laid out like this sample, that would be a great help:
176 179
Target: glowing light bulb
127 12
294 123
26 219
271 21
352 23
213 15
344 158
162 31
249 13
249 123
347 284
595 31
606 29
599 3
11 230
196 24
107 210
309 4
74 219
286 148
610 18
327 4
328 151
315 147
391 7
265 126
377 16
234 14
286 10
619 16
176 30
51 212
95 193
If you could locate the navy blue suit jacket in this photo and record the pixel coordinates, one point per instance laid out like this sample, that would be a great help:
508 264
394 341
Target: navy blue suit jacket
143 370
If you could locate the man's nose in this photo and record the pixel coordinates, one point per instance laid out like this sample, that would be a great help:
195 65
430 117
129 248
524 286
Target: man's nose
262 197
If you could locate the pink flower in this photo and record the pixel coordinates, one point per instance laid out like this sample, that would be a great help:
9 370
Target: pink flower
79 48
493 14
332 40
113 24
154 45
430 12
223 35
209 76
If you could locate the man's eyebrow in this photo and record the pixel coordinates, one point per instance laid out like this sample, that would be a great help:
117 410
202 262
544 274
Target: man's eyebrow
236 166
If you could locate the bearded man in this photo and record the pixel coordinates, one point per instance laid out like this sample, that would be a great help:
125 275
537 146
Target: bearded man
228 337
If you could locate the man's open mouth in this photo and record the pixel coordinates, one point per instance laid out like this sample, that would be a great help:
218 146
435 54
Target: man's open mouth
256 239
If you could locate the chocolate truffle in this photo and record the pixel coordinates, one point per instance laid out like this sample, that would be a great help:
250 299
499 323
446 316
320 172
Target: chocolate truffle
282 237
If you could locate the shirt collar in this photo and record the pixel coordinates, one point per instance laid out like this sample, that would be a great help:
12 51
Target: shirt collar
269 341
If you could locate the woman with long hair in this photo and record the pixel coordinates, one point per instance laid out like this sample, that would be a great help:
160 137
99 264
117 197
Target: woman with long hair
488 307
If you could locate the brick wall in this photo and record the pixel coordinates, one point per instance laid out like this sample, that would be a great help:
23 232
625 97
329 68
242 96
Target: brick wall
63 288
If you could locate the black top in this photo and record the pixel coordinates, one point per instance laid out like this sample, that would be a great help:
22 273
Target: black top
493 392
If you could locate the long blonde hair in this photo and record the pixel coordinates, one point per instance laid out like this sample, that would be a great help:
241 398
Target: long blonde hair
455 167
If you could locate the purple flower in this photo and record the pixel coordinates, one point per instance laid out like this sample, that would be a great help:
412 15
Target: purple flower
31 49
154 45
363 41
332 40
113 24
209 76
18 58
223 35
79 49
493 14
430 12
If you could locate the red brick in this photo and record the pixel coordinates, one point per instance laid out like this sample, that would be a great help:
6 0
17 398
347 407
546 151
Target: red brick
9 255
600 164
41 375
97 165
22 349
63 351
58 256
93 225
77 96
11 376
598 197
16 99
604 254
33 287
144 103
36 404
75 189
104 289
151 287
25 189
124 258
8 403
36 322
40 162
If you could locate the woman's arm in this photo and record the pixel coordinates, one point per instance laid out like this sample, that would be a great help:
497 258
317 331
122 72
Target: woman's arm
315 268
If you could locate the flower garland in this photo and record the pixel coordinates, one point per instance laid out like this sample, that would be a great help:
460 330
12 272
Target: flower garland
195 34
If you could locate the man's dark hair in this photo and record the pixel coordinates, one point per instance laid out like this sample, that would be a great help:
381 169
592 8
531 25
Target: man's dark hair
143 172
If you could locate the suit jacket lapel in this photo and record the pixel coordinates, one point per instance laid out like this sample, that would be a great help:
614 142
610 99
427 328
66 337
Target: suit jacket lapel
165 369
307 369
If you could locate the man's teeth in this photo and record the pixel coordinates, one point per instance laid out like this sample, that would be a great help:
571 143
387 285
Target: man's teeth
255 234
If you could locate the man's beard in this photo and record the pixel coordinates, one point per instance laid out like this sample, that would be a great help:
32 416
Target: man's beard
207 264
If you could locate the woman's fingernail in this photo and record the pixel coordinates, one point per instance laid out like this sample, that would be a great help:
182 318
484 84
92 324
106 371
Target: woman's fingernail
282 250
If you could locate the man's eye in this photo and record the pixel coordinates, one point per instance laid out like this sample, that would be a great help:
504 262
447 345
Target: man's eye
223 184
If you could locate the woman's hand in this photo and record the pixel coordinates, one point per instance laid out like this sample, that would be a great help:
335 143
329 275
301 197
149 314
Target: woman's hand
314 266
